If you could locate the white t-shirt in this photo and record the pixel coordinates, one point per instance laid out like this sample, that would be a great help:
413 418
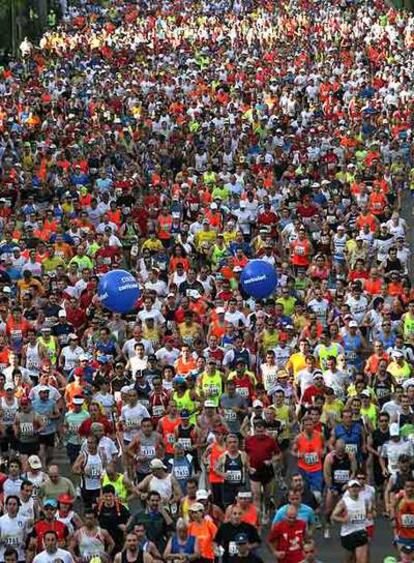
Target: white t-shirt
71 357
13 533
60 554
131 418
304 380
234 318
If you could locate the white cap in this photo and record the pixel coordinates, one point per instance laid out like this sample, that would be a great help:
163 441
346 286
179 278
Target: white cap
394 429
43 388
78 400
202 494
157 464
242 204
213 206
62 314
34 462
83 357
9 387
397 354
257 403
220 310
353 482
196 507
210 404
353 324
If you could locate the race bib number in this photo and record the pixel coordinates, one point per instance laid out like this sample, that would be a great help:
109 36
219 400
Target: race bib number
356 517
311 458
212 390
233 476
26 429
171 438
242 391
341 475
407 520
158 411
351 448
73 427
181 472
147 451
93 471
131 423
233 548
185 443
230 415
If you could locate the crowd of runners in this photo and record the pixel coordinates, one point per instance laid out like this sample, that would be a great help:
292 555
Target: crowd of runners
178 140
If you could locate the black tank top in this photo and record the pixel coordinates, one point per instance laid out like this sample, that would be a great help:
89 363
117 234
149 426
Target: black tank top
382 390
139 559
184 436
341 469
233 469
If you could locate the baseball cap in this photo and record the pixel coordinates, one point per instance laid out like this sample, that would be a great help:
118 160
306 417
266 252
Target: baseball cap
241 538
43 388
196 507
257 403
365 393
397 354
84 358
353 324
157 464
202 494
394 429
244 494
65 498
9 387
78 400
62 314
34 462
185 413
51 502
210 404
353 483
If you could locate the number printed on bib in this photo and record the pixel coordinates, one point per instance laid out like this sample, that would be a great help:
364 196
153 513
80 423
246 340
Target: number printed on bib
233 476
407 520
311 458
341 475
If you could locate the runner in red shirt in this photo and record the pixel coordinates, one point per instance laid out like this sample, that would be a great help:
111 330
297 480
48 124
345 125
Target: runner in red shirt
286 538
49 524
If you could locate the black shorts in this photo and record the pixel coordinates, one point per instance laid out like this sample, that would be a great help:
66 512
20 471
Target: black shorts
47 440
8 440
264 475
352 541
28 448
90 497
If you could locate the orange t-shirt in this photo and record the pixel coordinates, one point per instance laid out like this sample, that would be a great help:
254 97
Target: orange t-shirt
205 533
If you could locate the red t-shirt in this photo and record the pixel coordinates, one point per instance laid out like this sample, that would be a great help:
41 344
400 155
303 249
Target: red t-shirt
260 449
41 527
288 537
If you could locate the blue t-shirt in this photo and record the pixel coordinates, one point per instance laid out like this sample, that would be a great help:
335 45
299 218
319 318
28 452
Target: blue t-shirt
305 513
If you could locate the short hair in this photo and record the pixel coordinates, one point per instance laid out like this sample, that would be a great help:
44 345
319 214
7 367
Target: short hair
107 489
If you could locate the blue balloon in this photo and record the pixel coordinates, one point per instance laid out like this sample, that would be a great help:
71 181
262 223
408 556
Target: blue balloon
118 291
258 279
